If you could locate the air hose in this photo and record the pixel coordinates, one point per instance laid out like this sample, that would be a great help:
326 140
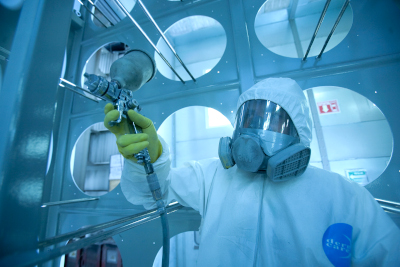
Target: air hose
143 157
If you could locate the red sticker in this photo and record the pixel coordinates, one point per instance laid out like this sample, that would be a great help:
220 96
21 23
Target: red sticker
328 107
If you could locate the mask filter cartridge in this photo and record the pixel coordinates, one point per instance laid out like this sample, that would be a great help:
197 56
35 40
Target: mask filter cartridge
247 153
225 152
289 163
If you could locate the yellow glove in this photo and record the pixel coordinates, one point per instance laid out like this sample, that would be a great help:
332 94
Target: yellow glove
129 144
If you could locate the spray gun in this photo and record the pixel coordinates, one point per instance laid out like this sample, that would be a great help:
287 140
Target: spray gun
128 74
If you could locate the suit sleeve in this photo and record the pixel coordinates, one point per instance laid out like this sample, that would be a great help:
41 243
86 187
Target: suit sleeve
189 185
376 242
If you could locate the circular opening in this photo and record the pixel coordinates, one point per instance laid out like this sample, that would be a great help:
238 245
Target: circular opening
99 63
108 13
194 141
96 164
104 253
184 250
356 134
286 29
199 41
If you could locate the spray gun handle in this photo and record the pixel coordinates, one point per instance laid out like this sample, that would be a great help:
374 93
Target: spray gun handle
143 157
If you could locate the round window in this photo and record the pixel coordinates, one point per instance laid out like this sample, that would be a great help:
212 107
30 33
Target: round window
194 141
286 27
354 139
199 41
108 13
96 164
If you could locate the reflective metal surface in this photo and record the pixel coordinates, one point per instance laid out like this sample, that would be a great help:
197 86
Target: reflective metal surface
317 28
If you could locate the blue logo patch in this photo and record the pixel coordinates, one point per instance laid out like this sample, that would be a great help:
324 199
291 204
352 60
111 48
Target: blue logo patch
336 243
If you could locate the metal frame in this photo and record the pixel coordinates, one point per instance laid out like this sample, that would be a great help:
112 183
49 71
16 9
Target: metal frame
86 237
145 35
29 83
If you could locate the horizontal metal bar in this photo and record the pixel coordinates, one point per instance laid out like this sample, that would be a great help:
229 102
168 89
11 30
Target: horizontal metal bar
391 209
317 28
5 51
31 258
79 93
387 201
334 27
148 39
95 228
68 201
165 38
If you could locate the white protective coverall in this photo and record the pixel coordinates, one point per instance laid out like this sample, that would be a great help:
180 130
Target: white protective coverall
248 220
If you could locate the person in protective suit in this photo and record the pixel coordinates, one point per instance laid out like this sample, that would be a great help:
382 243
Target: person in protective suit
261 203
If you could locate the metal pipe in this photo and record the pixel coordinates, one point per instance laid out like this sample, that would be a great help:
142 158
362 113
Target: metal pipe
94 228
5 51
92 13
148 39
79 93
98 9
334 27
68 201
32 258
113 11
387 201
395 210
317 28
165 38
3 58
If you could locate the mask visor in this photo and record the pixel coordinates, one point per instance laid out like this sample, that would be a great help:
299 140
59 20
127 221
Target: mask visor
264 115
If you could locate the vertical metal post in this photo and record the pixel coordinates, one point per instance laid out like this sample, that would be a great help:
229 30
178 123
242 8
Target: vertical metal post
318 130
293 26
174 132
242 45
334 27
296 38
28 98
317 28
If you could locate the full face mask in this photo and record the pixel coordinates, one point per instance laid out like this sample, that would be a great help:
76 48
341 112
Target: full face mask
264 140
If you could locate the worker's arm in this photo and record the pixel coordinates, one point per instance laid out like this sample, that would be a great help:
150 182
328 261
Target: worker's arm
188 185
376 238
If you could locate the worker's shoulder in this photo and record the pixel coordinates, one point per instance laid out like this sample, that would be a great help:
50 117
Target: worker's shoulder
322 178
203 164
319 173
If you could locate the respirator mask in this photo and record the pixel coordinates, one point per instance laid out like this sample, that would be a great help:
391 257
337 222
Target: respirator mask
265 140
